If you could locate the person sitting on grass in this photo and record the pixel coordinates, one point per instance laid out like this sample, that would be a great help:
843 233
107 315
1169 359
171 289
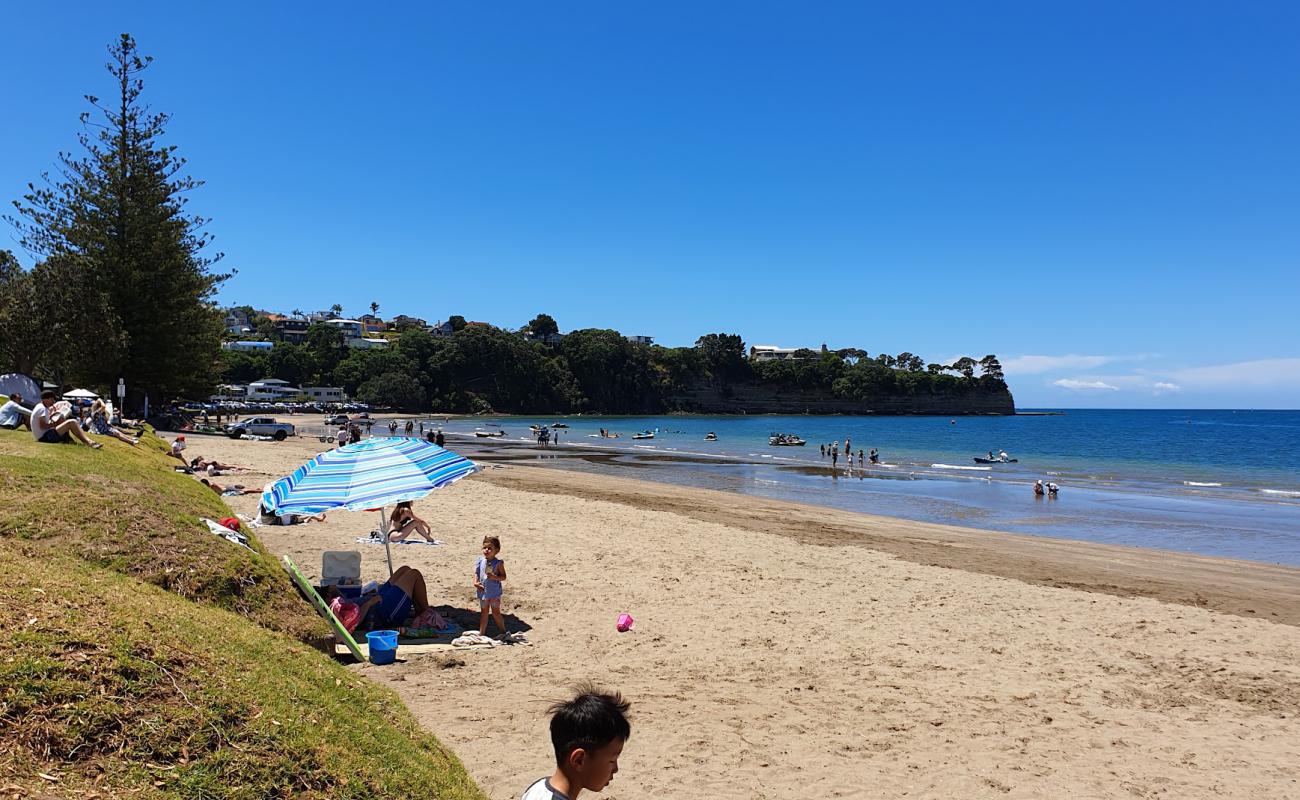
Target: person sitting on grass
388 607
52 427
100 425
403 521
13 414
178 447
587 734
231 490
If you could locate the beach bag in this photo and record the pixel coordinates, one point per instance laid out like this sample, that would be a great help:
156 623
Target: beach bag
230 522
348 613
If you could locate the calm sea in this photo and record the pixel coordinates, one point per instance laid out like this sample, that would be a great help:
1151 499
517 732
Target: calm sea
1221 483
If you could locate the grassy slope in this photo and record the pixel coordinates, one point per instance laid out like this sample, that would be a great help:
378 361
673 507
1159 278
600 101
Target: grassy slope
196 686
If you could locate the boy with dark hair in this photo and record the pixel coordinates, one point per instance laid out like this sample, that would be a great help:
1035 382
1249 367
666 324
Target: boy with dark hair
588 733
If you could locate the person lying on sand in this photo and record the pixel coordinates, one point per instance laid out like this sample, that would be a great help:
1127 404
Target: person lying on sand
199 462
389 607
267 518
231 490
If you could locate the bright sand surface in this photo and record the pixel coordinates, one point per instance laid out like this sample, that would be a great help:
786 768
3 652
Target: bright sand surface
787 651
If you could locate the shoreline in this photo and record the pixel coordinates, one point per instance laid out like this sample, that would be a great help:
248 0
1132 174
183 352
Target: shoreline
1231 586
783 651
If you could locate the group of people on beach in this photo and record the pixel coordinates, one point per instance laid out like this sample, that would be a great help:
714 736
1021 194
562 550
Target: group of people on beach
52 421
410 428
832 451
1042 487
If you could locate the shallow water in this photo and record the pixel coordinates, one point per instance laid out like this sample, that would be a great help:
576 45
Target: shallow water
1219 483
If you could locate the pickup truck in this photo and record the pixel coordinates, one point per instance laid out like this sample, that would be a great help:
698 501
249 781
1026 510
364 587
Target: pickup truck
260 426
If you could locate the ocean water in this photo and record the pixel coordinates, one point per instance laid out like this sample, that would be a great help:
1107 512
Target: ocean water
1219 483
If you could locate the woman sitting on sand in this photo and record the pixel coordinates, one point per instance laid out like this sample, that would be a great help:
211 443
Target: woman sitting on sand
403 521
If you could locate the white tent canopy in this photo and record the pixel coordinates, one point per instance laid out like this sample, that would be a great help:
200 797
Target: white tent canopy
80 394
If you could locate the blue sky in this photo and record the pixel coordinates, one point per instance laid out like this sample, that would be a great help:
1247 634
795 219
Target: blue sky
1106 195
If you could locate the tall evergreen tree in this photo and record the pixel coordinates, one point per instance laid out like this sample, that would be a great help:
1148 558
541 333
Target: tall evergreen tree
119 210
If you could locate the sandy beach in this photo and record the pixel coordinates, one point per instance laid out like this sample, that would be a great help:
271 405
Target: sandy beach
788 651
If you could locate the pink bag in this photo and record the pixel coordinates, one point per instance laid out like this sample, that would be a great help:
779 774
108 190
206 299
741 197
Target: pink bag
625 623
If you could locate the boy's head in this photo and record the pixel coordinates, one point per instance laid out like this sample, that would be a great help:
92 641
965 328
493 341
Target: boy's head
588 733
492 542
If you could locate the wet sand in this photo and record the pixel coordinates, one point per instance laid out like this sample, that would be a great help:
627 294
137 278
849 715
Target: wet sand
791 651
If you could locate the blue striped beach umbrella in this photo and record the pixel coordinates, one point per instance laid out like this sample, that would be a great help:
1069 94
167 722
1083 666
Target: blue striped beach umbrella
367 475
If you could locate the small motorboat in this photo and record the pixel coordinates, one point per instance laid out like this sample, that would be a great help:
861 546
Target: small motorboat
644 435
489 434
559 425
998 460
710 437
785 440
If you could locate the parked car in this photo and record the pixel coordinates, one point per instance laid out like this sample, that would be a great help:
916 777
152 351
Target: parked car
337 419
260 426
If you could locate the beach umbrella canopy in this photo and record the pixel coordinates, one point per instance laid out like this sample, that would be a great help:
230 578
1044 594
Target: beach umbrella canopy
80 394
367 475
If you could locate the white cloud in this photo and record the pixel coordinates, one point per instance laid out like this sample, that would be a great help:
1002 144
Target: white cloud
1036 365
1161 387
1267 373
1077 385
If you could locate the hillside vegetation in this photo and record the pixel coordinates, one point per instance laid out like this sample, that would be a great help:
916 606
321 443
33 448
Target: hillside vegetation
481 368
149 656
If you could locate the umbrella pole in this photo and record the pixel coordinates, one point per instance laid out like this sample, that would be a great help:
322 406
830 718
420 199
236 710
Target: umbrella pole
383 529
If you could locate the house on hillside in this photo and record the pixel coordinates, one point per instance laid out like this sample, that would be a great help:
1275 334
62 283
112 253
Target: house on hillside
769 352
646 340
237 322
354 334
553 339
325 394
401 322
293 331
249 346
370 324
272 389
440 329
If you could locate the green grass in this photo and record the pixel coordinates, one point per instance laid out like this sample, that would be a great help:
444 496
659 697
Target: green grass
148 656
125 508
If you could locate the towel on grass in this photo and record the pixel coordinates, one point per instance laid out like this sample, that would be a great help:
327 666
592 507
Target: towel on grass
234 537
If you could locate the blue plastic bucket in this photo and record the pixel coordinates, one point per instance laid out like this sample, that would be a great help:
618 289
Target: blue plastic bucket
383 646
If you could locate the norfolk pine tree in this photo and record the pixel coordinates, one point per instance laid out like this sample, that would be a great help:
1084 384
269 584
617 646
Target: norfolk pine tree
118 214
